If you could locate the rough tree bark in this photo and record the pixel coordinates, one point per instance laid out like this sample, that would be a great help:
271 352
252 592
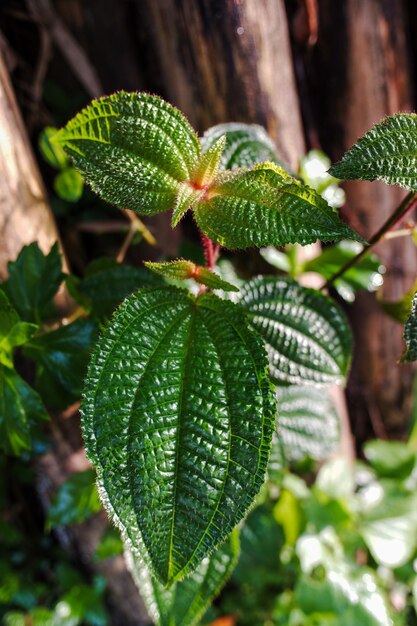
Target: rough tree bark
361 73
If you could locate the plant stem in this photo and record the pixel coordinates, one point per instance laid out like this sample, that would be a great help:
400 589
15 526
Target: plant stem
406 205
211 251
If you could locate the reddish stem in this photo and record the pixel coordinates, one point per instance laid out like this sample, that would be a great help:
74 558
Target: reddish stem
211 252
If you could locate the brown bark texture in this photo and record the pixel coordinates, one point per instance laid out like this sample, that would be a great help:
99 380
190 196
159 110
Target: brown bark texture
360 73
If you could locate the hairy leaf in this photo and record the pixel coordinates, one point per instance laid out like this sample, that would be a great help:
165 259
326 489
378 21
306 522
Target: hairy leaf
387 152
20 405
308 423
34 279
246 144
187 196
266 206
187 269
410 334
107 283
180 451
307 335
133 149
63 356
76 500
208 164
185 602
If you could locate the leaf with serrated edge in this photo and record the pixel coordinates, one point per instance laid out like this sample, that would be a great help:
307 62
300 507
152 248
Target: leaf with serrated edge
182 270
387 152
186 197
133 149
410 334
261 207
208 163
179 450
307 336
186 601
246 144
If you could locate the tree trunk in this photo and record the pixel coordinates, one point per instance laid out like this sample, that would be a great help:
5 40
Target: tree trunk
360 73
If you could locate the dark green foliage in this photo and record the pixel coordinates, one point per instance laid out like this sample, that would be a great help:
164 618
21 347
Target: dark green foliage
34 279
185 602
307 335
387 152
76 500
196 455
410 334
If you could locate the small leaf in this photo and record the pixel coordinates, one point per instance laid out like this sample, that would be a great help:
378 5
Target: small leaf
76 500
185 602
313 172
34 279
133 149
63 354
266 206
179 450
208 163
20 405
187 269
390 458
410 334
69 185
308 424
307 336
52 152
187 196
399 310
246 145
107 283
387 152
13 332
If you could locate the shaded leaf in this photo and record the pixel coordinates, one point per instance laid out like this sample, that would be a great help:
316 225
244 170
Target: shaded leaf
110 544
387 152
13 332
187 269
20 406
308 424
266 206
52 152
34 279
63 354
76 500
185 602
83 604
307 336
133 149
246 144
107 283
69 184
390 458
194 456
410 334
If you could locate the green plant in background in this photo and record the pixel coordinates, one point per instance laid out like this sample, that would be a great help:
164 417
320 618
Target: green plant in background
181 392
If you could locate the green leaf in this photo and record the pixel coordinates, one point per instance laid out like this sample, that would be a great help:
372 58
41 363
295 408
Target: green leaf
410 334
110 545
185 602
266 206
208 163
307 336
187 269
367 273
399 310
390 458
186 197
246 145
387 152
76 500
107 283
133 149
20 405
69 184
83 604
52 152
13 332
63 355
34 279
308 423
313 172
179 450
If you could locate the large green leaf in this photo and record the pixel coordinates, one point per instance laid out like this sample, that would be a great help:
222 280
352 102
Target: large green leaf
387 152
34 279
180 451
246 144
307 335
410 334
20 405
62 356
308 423
133 149
185 602
266 206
